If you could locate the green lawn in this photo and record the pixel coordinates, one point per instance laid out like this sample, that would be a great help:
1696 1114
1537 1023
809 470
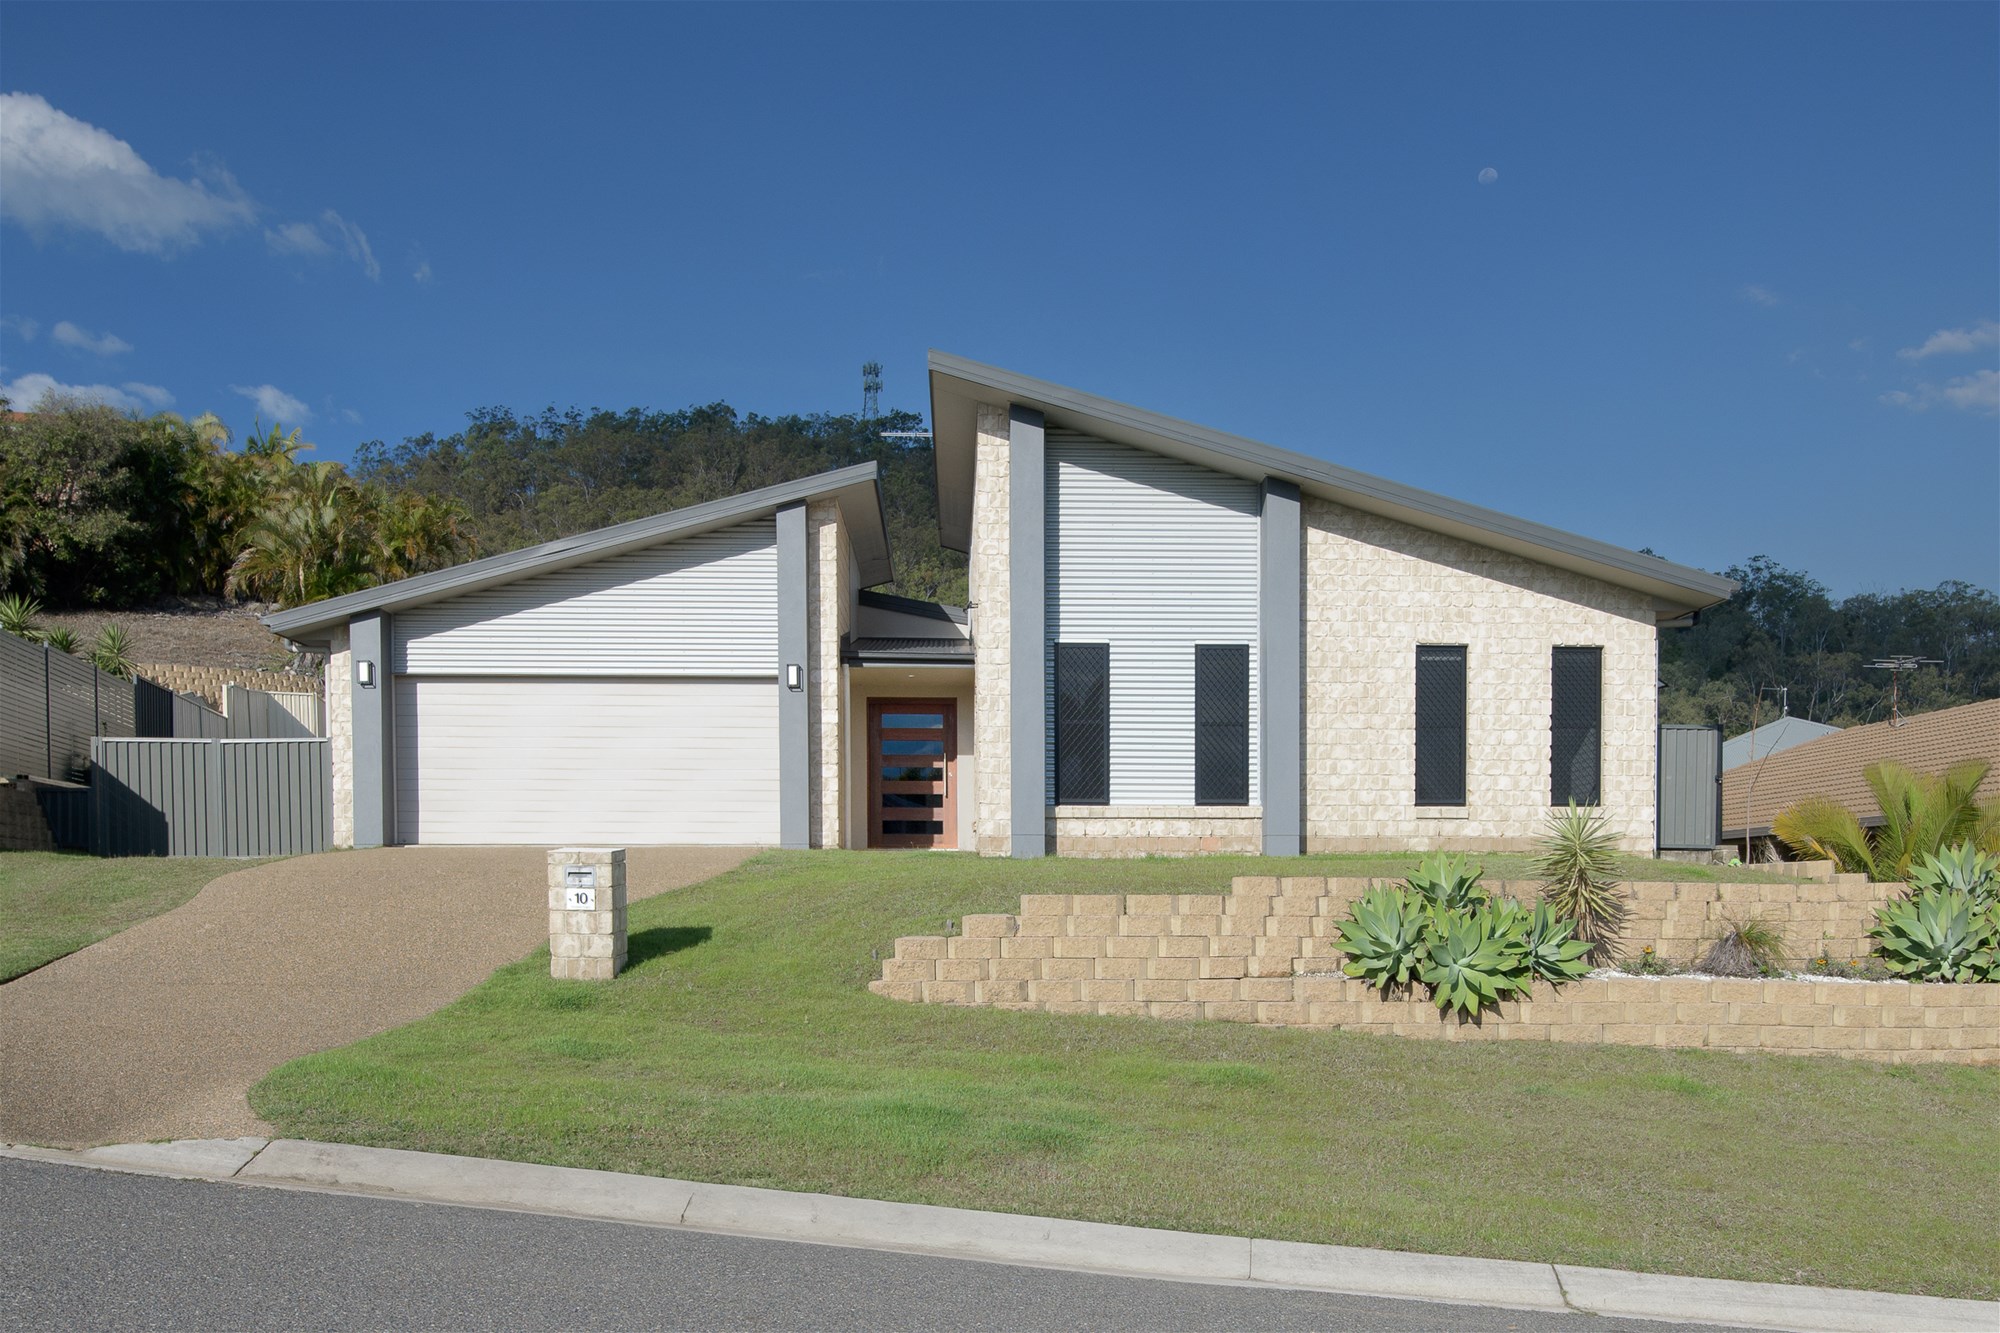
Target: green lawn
742 1046
54 903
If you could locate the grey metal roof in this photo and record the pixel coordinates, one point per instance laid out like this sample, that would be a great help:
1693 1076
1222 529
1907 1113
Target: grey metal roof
857 489
952 650
911 606
1780 734
958 386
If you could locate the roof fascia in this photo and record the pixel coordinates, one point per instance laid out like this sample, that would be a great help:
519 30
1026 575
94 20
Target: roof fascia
1677 589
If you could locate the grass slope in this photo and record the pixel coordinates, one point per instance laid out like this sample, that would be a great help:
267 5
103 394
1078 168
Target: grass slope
54 903
741 1046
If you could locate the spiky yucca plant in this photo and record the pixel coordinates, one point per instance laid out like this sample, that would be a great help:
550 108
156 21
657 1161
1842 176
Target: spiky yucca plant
112 653
61 638
20 616
1578 864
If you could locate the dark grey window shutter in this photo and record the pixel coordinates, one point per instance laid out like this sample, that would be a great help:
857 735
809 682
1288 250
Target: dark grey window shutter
1222 724
1083 724
1441 724
1576 725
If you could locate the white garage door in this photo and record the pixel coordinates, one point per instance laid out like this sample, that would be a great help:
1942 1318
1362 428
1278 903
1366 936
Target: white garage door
566 762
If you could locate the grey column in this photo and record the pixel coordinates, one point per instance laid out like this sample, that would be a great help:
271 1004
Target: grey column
794 714
1280 630
374 813
1027 632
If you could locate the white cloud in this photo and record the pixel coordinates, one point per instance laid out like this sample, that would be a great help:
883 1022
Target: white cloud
1977 392
107 344
22 327
1763 296
350 416
62 172
297 238
1949 342
318 239
422 274
29 390
274 403
155 396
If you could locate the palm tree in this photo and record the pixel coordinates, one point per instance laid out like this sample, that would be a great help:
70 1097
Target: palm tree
415 534
312 541
1921 815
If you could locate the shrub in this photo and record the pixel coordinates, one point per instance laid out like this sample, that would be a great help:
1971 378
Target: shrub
1922 815
112 653
1577 863
1476 957
1445 884
1744 949
1554 954
1939 935
1964 868
1383 936
61 638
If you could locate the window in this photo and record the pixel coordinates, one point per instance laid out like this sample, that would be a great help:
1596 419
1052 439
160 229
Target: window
1222 724
1083 724
1576 706
1440 724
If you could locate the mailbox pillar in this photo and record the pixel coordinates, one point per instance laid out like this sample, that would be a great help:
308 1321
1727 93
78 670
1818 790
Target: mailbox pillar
586 912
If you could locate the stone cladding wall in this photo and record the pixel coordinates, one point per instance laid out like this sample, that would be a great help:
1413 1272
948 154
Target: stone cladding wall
988 592
1375 589
340 734
830 576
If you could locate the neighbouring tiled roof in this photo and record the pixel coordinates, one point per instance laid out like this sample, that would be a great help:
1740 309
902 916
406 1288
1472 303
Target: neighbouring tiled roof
1831 766
908 650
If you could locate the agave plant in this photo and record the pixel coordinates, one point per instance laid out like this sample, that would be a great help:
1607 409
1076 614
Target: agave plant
1964 868
20 615
1475 958
61 638
1554 952
1445 884
1383 936
1938 935
1577 864
112 653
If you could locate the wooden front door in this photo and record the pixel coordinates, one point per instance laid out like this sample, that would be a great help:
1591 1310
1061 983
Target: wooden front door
912 773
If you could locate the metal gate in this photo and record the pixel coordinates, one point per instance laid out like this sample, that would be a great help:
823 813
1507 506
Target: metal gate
1690 788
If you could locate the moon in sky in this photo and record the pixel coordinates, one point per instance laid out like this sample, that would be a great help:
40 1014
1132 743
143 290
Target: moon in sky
1488 175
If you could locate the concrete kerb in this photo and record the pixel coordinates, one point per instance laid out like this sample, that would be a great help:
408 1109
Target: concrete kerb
1012 1238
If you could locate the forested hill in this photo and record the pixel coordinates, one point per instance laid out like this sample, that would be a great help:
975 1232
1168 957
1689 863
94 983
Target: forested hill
523 480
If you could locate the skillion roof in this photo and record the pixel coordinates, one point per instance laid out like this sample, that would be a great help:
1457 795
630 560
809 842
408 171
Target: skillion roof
958 386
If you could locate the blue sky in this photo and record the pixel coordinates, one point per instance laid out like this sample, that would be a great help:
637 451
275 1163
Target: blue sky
1732 291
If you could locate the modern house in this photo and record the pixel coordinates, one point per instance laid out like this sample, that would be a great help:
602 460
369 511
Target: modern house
1178 641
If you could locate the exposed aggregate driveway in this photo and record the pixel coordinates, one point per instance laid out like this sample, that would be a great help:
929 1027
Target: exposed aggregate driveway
159 1031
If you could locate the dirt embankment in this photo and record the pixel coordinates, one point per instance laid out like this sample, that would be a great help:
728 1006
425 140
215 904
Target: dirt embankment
191 631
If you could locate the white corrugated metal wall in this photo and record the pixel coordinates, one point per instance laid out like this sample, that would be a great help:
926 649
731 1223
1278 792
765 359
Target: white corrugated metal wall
629 700
703 605
1151 556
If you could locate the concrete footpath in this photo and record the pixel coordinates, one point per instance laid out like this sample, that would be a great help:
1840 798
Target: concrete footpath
1013 1239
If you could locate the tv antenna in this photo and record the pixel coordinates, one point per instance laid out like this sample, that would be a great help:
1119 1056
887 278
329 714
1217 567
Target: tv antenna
1896 664
871 390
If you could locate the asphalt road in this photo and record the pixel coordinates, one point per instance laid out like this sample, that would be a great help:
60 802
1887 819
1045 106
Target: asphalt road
82 1248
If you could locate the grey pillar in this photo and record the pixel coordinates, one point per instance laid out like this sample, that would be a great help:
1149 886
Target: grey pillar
1280 629
1027 632
374 813
794 712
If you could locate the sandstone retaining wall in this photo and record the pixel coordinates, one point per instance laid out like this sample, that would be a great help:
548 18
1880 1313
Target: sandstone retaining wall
1267 953
207 682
